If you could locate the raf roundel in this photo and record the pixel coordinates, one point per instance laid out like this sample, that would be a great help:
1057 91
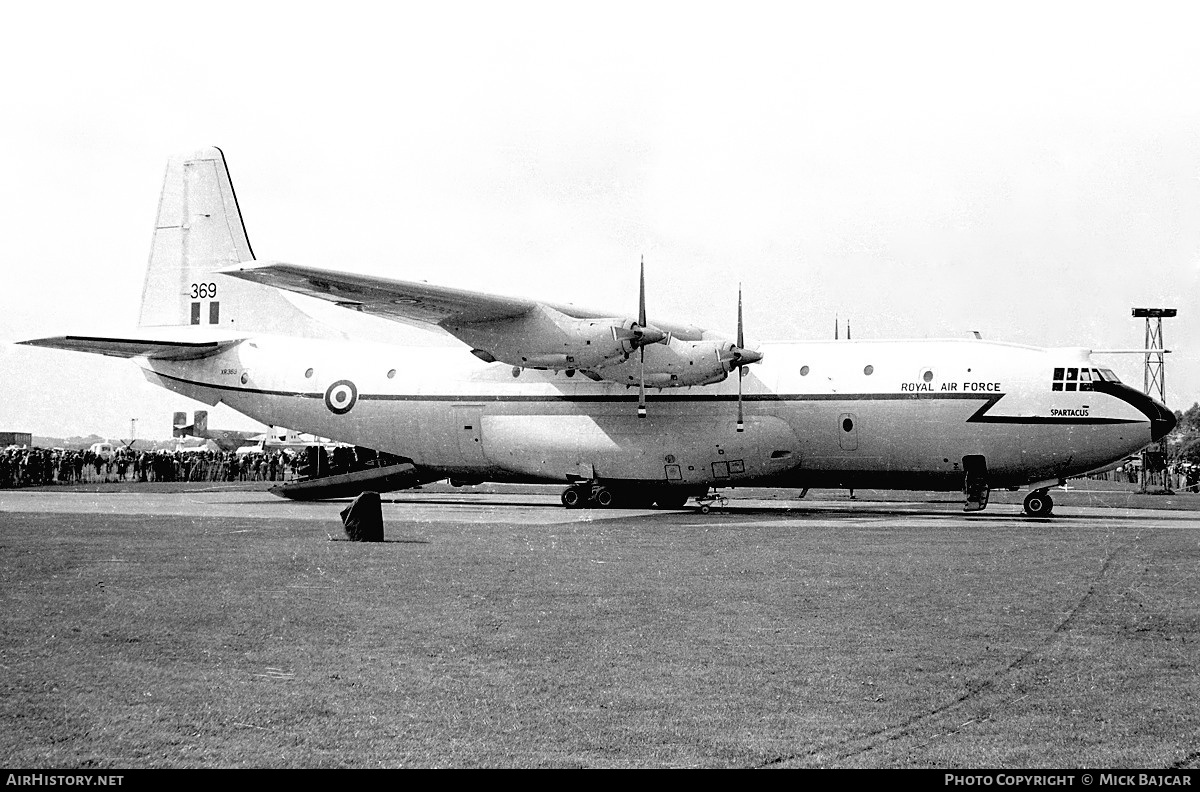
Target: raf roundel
341 396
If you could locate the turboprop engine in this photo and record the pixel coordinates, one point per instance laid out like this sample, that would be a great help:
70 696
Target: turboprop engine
679 364
548 339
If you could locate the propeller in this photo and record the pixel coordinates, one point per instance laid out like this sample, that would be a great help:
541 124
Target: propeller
741 342
738 355
642 347
640 333
644 334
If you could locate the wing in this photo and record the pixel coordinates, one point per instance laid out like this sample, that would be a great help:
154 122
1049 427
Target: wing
401 301
525 333
413 303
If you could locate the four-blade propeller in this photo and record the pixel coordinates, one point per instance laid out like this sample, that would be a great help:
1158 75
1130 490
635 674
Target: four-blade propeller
737 355
642 347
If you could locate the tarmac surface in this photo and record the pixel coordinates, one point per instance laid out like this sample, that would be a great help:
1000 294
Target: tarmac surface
532 505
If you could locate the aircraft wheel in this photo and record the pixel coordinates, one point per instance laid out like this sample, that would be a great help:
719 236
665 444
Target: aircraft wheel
604 498
572 498
705 509
1039 504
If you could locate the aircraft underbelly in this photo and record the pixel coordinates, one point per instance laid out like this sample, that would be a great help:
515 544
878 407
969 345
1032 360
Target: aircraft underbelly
683 449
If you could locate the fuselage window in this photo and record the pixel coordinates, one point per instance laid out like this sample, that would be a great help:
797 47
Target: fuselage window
391 373
1085 380
869 370
927 375
804 371
308 374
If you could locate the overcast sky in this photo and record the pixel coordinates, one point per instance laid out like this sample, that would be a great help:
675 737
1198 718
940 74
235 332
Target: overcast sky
1027 170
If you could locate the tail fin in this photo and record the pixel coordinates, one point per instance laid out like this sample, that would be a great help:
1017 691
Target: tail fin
198 230
179 425
201 423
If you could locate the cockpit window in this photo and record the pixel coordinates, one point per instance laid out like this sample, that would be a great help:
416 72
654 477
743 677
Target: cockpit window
1071 379
1080 379
1065 379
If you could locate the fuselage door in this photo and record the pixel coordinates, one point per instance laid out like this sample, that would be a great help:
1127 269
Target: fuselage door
467 427
975 482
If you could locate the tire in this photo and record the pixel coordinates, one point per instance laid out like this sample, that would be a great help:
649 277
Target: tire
604 498
1039 504
572 498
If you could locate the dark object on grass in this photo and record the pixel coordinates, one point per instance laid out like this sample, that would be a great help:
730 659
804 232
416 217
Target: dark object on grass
363 518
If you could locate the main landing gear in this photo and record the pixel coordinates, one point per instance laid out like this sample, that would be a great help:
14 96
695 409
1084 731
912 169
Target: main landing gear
590 495
587 496
1039 503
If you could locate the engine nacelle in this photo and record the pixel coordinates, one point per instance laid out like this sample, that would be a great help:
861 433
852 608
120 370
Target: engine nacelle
676 365
548 339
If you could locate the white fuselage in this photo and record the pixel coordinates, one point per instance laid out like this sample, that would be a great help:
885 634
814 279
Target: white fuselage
892 414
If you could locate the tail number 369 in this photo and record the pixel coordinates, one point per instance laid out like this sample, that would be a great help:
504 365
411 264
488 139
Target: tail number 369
204 290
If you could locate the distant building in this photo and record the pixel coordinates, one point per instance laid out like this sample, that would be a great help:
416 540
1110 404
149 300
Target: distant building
15 438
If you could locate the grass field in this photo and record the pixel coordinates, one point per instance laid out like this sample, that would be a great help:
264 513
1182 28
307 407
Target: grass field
856 638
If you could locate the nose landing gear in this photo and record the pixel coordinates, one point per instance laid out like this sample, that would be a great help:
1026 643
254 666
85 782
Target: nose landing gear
1039 503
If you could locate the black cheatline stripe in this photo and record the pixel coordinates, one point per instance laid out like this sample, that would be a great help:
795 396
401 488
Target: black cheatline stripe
980 415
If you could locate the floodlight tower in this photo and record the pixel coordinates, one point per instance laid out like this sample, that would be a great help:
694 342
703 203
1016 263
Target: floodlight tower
1155 379
1155 383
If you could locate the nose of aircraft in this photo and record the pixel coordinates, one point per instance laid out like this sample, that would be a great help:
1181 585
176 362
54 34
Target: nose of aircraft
1163 422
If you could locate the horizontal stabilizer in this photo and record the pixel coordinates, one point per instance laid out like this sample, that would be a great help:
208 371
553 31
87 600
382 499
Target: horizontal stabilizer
155 349
349 485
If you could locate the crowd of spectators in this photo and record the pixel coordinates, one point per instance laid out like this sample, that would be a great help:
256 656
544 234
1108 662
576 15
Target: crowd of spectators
1178 476
33 467
1184 476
